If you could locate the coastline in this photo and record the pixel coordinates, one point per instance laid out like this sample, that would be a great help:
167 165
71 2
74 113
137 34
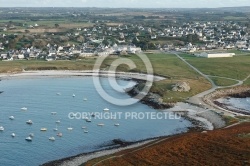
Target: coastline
235 92
78 73
85 157
194 115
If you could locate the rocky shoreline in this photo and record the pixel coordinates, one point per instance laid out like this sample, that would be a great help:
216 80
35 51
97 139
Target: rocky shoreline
237 92
151 99
120 145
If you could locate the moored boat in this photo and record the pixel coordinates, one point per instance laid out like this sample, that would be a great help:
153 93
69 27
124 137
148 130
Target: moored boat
29 122
28 139
43 129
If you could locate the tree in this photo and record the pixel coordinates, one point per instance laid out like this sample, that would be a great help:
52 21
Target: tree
56 25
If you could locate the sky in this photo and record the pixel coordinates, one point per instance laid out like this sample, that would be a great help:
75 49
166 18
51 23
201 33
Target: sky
126 3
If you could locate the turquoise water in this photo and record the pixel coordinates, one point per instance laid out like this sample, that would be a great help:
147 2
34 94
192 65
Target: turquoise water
39 95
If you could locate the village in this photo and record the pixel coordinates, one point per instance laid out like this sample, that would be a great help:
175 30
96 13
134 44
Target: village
122 39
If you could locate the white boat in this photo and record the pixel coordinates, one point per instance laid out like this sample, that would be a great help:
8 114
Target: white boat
1 128
11 117
59 134
31 135
29 122
117 124
13 135
28 139
24 109
83 127
105 109
58 121
100 124
43 129
85 99
70 128
53 113
85 131
88 120
73 95
52 138
55 129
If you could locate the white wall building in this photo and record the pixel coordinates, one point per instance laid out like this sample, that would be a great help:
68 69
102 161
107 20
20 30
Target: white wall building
216 55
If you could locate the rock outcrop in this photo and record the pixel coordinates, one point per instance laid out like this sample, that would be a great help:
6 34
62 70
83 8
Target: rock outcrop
181 87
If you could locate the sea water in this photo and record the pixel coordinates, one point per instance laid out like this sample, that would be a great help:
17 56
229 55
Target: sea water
39 96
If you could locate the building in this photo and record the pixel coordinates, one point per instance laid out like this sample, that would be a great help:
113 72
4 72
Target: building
216 55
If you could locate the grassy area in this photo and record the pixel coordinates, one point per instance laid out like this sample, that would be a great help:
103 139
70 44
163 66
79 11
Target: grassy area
247 82
223 81
169 65
237 67
163 64
164 88
18 66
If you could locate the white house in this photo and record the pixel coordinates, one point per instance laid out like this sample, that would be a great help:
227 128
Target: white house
20 56
216 55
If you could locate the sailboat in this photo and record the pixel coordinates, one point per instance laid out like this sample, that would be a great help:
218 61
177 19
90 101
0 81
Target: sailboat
55 129
70 128
29 122
13 135
31 135
59 134
52 138
1 128
11 117
73 95
28 139
105 109
43 129
24 109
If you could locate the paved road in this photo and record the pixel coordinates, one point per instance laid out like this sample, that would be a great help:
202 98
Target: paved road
197 99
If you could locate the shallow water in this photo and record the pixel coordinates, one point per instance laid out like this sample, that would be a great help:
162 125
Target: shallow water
237 103
39 95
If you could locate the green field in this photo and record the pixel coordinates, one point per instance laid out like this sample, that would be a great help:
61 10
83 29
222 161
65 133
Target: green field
19 65
171 66
163 64
223 81
247 82
237 67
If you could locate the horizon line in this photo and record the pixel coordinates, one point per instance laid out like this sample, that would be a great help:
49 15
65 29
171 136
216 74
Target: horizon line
124 7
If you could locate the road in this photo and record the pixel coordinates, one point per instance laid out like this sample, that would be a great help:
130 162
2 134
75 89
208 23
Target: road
197 99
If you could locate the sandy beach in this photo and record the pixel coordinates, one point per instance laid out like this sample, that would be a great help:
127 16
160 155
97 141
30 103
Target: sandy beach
68 73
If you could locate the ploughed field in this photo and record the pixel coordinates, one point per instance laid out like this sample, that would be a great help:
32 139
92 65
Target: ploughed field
229 147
